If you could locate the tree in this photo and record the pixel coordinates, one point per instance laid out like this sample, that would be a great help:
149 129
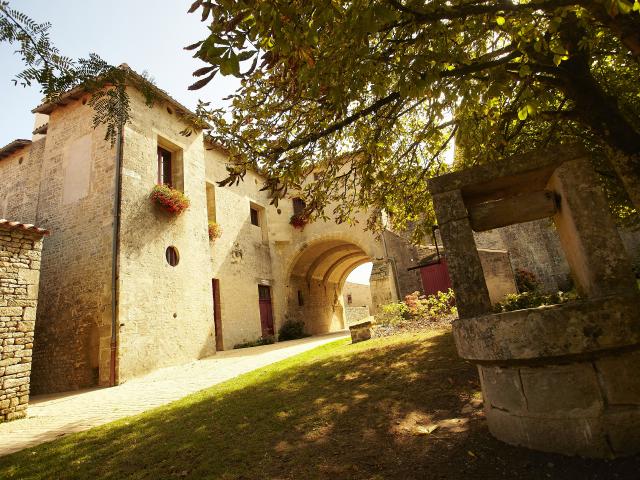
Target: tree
372 93
388 85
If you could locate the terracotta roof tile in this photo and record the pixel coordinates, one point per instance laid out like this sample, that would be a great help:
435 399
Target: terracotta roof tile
27 227
13 147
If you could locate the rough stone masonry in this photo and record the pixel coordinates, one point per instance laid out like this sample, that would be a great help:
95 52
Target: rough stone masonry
20 250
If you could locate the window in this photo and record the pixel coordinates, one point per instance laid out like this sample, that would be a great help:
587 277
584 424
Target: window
164 167
211 202
170 170
349 299
255 216
298 206
300 299
172 256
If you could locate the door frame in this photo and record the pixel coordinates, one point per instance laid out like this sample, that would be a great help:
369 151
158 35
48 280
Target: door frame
217 313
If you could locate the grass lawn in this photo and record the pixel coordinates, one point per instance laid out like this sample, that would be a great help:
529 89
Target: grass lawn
403 407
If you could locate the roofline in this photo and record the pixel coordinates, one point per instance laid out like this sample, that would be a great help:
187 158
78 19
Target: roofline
13 147
27 227
77 92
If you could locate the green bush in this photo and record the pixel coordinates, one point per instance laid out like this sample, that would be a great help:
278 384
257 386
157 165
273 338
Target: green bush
393 313
292 330
268 340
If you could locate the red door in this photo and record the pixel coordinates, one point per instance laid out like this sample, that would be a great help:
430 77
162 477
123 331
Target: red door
217 317
435 278
266 313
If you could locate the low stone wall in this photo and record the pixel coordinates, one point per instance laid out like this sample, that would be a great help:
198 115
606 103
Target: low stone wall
19 275
355 314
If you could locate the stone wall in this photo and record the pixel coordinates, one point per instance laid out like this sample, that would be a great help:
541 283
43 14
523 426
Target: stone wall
360 295
19 275
66 185
355 314
165 314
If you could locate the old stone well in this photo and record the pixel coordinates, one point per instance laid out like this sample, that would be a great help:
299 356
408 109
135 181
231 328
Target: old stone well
563 378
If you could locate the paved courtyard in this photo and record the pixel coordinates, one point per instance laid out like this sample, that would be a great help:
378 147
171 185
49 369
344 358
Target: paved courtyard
52 416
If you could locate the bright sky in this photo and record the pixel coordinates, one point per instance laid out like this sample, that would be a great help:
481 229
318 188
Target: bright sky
147 35
361 274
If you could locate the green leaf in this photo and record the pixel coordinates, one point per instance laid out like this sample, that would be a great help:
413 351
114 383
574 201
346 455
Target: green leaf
500 20
523 112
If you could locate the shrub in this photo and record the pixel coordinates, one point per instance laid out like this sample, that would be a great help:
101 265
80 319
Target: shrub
292 330
215 231
393 313
534 299
418 307
268 340
526 281
299 221
170 199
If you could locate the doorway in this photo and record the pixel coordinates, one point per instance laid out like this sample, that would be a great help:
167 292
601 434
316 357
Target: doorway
217 317
266 313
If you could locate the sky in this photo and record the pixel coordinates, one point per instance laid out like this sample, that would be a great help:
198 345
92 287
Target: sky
146 35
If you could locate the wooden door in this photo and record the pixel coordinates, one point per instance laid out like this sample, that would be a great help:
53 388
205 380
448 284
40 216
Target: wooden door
435 278
217 318
266 313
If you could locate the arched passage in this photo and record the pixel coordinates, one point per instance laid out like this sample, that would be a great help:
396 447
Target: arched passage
316 278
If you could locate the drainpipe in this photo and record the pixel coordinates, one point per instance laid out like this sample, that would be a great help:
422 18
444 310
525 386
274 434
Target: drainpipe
115 252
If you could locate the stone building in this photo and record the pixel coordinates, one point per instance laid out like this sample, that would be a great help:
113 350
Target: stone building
127 287
20 249
357 301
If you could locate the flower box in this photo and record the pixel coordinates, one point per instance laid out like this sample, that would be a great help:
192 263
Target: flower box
170 199
215 231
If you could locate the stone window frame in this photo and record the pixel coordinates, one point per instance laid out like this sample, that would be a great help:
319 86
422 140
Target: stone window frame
176 160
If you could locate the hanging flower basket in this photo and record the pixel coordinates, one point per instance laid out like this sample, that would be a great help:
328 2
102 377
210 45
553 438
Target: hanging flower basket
215 231
170 199
299 221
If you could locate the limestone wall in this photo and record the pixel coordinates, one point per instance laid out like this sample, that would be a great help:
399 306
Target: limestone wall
165 312
242 256
66 185
20 174
360 295
19 275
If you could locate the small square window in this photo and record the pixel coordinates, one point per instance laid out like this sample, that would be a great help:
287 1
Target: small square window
349 299
255 217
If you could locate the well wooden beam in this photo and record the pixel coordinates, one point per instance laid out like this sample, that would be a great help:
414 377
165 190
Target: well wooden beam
517 209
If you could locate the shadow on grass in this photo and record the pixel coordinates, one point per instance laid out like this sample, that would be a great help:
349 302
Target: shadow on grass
400 408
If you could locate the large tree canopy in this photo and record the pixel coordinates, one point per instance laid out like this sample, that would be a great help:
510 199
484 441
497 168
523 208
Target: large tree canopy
388 84
373 93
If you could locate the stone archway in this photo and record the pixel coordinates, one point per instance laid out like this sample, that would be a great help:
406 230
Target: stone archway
315 280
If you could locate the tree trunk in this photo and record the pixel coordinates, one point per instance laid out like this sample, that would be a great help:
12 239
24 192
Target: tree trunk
600 112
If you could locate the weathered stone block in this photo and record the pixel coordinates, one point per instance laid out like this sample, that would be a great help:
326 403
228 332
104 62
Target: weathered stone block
10 311
622 427
18 368
360 332
560 391
502 388
449 206
620 378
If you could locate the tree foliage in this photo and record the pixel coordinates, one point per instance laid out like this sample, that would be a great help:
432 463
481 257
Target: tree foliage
372 93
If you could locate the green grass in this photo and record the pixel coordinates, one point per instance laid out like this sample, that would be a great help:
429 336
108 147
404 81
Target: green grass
337 411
